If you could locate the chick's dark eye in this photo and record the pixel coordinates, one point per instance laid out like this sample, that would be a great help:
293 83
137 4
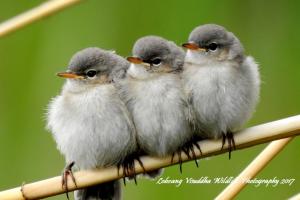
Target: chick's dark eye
156 61
213 46
91 73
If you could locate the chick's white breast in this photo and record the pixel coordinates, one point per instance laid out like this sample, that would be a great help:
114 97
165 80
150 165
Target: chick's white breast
159 110
223 96
92 128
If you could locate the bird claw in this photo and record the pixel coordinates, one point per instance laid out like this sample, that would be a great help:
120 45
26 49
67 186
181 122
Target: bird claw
128 167
187 149
68 172
178 152
231 143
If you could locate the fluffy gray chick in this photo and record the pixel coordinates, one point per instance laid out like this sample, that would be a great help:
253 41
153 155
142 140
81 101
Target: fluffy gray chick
90 124
223 84
155 97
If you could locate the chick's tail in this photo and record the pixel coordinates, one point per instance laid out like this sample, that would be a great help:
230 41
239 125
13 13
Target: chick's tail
104 191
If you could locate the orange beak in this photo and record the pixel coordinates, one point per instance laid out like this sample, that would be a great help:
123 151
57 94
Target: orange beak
193 46
69 75
134 60
137 60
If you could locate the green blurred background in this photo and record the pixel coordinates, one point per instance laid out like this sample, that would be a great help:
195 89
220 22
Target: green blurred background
31 57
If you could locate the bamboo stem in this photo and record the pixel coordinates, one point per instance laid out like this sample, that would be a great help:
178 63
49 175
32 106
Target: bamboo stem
295 197
258 164
48 8
249 137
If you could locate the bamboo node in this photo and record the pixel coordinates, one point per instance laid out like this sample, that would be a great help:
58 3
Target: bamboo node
22 191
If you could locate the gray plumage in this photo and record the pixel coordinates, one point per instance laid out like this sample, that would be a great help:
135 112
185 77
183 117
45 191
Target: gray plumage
151 47
88 120
155 97
222 83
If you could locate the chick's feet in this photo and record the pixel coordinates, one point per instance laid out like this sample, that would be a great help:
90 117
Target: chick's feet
230 139
128 167
189 150
68 172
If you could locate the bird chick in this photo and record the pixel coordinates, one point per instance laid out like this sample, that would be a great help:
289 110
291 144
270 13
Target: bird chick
222 83
155 97
90 124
